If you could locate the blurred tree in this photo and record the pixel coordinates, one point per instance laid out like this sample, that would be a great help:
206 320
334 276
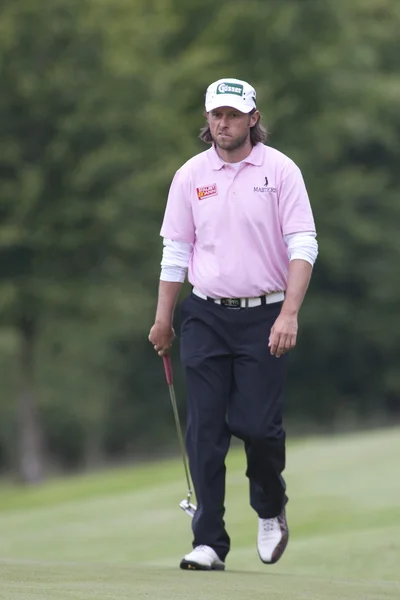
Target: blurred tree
43 75
65 150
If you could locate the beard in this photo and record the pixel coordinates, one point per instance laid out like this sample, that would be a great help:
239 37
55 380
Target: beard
231 143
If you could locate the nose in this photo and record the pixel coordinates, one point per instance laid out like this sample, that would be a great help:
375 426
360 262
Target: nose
224 121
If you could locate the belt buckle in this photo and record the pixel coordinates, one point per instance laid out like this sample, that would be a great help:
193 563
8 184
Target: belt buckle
230 302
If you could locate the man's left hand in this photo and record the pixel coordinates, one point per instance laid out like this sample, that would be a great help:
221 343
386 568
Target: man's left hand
283 334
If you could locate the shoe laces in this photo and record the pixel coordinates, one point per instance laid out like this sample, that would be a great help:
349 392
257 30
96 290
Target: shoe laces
204 548
269 524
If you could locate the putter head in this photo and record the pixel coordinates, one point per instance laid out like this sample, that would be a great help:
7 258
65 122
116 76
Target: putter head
188 507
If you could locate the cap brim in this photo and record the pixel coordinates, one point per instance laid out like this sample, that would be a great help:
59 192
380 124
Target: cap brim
231 101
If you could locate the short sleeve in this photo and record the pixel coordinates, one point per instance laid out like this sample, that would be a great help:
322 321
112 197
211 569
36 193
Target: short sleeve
178 222
295 211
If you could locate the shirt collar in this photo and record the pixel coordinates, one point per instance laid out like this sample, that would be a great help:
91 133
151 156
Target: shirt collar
254 158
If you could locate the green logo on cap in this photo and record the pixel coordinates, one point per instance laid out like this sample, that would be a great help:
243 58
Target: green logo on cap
230 88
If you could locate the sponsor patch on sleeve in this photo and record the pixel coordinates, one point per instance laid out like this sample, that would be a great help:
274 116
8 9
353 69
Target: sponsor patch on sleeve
206 191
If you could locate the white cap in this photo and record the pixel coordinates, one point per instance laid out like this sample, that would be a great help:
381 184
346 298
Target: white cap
231 92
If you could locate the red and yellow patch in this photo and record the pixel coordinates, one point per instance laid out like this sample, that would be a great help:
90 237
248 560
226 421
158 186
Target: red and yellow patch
206 191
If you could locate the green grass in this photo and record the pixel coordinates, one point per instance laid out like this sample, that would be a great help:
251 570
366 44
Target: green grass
121 534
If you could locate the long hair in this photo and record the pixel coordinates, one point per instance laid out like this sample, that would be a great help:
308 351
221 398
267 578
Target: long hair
258 133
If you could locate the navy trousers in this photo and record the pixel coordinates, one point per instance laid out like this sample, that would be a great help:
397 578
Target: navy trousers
235 387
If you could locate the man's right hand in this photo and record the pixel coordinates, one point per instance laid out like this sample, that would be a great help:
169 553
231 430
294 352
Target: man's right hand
161 336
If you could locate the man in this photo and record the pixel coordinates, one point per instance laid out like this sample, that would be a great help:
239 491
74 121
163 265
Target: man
239 218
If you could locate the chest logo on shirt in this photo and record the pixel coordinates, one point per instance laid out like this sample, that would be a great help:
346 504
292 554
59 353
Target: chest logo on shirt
206 191
265 187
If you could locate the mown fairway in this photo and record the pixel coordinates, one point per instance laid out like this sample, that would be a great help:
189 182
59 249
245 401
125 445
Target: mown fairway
120 535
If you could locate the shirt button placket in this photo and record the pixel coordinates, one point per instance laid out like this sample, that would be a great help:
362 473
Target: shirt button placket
233 188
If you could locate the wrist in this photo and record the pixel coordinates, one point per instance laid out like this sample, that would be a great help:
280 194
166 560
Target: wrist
163 320
289 311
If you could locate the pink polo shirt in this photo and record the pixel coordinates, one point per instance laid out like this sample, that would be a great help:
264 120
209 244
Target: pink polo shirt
236 220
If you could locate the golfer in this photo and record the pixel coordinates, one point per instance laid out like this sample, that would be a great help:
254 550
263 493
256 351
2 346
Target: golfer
238 218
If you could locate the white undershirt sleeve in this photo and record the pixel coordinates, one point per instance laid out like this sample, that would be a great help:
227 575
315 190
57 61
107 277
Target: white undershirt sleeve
175 260
302 246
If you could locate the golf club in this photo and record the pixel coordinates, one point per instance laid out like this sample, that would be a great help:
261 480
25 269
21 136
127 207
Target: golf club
186 505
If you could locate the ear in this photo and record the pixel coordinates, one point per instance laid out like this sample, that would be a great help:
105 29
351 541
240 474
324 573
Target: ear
254 118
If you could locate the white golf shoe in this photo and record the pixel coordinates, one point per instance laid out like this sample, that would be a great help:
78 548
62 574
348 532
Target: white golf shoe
202 558
272 539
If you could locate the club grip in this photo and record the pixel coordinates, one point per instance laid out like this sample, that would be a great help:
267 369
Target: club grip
168 368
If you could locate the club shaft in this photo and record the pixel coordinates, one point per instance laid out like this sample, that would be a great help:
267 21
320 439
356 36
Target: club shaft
180 436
